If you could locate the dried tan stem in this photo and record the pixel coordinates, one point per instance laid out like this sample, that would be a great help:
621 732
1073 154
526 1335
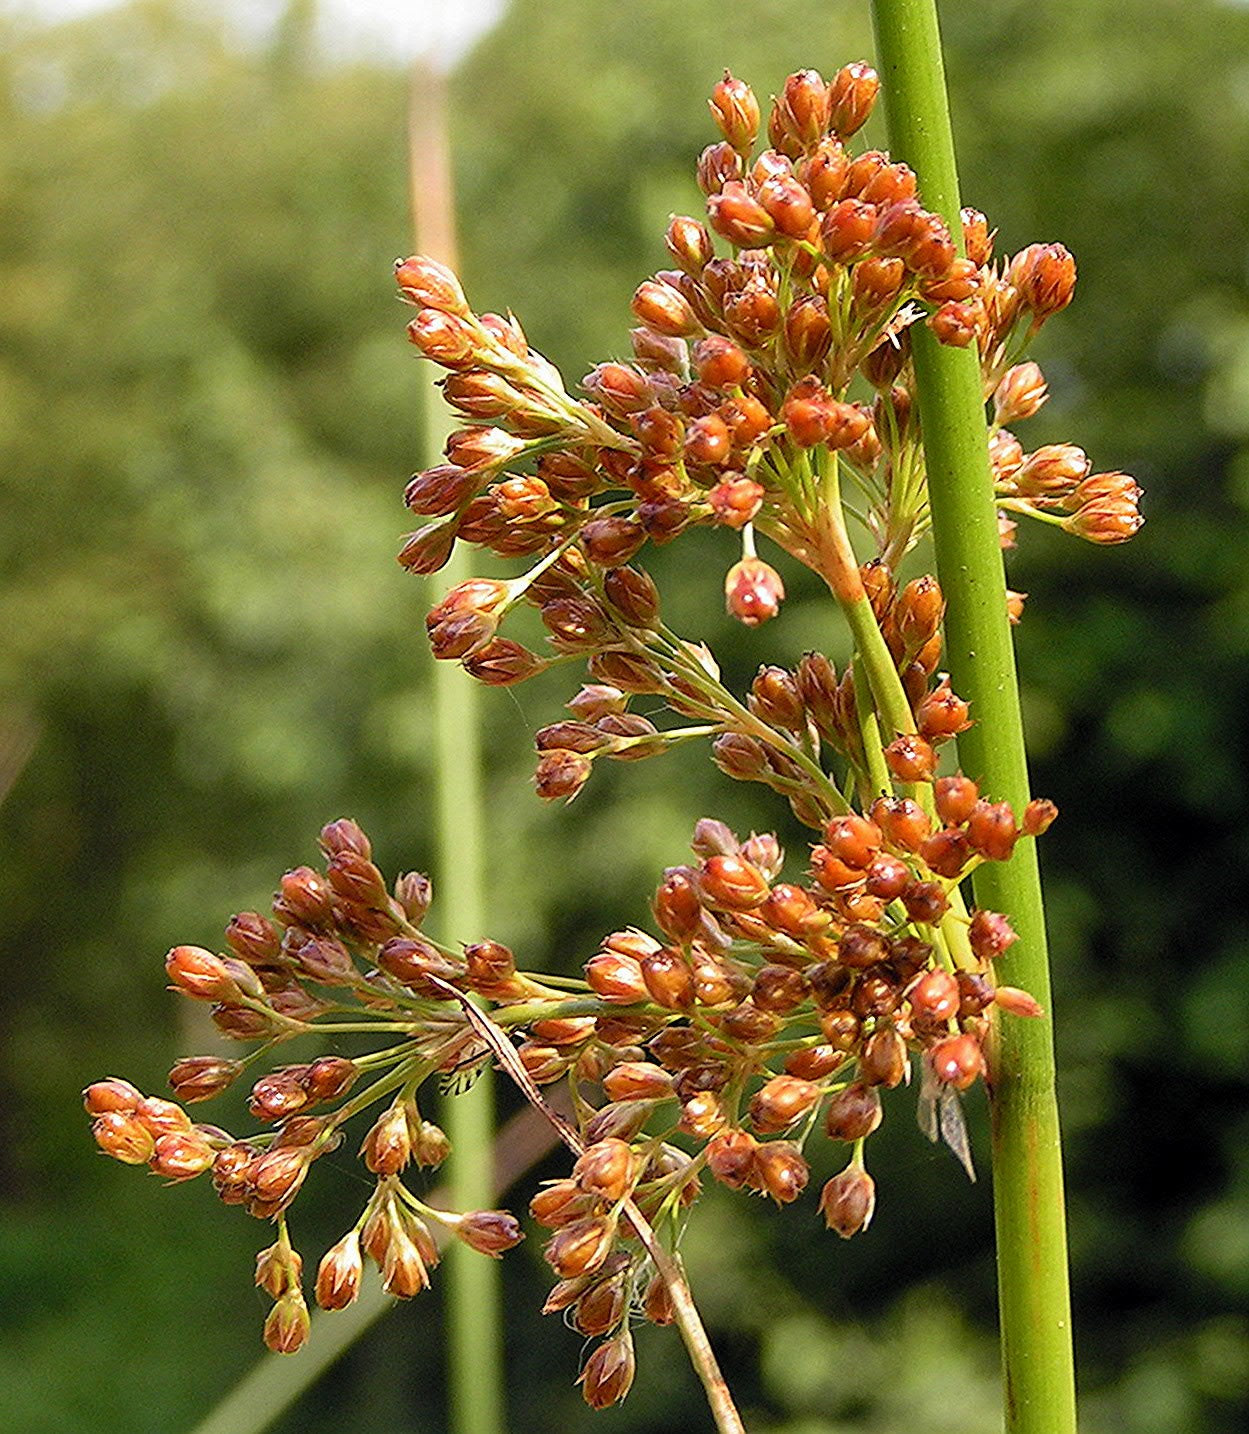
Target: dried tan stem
668 1266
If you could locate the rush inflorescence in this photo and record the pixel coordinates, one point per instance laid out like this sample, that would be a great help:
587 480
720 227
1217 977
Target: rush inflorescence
770 393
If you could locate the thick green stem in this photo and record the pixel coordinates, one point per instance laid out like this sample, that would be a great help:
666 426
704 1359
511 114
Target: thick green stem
475 1341
1027 1164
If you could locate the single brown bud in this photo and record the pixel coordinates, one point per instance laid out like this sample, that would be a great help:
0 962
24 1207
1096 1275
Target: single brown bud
731 882
123 1136
287 1326
935 995
637 1080
853 1113
739 218
925 901
848 1201
957 1061
1106 521
992 830
778 989
677 906
743 758
162 1117
616 977
800 116
956 798
405 1269
607 1376
1038 816
689 244
428 549
911 758
426 282
582 1247
339 1273
559 1204
955 324
720 363
1020 393
753 591
253 938
387 1147
977 241
669 980
201 975
781 1171
607 1169
1045 276
903 823
657 1302
731 1157
883 1061
851 94
561 774
990 934
946 852
445 338
718 165
665 309
1017 1002
814 1062
198 1078
783 1100
847 231
112 1096
788 204
489 1232
942 713
736 111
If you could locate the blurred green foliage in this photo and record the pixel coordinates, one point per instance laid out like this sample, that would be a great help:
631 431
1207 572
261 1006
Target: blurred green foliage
206 414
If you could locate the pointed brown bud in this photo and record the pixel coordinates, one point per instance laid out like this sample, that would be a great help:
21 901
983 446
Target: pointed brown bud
426 282
992 830
339 1273
783 1100
286 1328
851 94
732 882
123 1136
720 363
490 1232
990 934
1020 393
617 978
1045 276
561 774
199 974
853 1113
387 1147
946 852
848 1201
737 217
201 1077
911 758
607 1375
607 1169
112 1096
731 1157
1039 815
977 241
942 713
736 111
582 1247
935 995
445 338
925 901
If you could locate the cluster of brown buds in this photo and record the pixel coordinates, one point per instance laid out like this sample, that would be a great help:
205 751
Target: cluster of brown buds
771 392
341 955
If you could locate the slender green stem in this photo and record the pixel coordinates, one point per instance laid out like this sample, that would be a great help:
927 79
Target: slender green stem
1028 1185
475 1341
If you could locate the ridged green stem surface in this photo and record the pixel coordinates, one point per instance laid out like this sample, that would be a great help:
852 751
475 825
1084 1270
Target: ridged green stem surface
1027 1164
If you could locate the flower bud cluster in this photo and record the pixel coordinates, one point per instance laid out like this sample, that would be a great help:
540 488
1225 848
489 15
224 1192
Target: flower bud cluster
338 942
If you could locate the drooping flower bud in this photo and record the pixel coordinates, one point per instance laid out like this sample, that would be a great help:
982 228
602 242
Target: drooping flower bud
753 591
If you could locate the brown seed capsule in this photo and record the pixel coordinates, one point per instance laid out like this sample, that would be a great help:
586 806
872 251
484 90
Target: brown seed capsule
946 852
990 934
841 1029
637 1080
582 1247
853 1113
286 1329
883 1061
887 878
955 798
489 1232
783 1100
778 989
847 230
903 823
780 1171
560 774
957 1061
606 1169
854 839
739 218
730 881
848 1201
607 1375
339 1273
123 1136
911 758
112 1096
426 282
815 1062
861 947
925 901
559 1204
1045 277
851 94
935 995
669 980
992 830
657 1302
975 994
731 1157
199 974
1039 815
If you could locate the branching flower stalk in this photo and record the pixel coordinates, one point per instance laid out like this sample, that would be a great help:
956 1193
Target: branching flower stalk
772 394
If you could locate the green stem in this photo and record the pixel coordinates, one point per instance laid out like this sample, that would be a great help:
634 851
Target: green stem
1028 1184
475 1342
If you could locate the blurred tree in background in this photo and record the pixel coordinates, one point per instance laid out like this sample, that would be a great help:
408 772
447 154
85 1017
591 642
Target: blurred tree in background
206 649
